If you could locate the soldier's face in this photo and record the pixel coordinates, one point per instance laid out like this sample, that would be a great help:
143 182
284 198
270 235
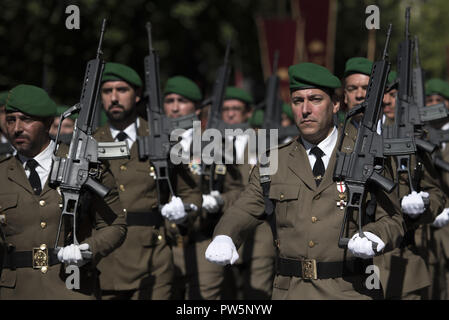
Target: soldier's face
119 99
435 99
176 106
313 110
355 89
234 111
389 103
28 134
285 120
66 126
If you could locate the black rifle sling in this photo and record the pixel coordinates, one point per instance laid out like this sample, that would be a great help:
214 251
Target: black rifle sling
265 183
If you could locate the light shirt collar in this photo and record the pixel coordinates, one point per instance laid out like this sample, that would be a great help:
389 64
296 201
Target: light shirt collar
131 132
327 146
44 160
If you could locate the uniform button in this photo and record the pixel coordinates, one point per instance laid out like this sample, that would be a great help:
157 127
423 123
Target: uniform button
123 167
317 197
173 225
159 238
311 244
44 269
43 246
124 210
42 203
43 224
122 187
282 196
314 219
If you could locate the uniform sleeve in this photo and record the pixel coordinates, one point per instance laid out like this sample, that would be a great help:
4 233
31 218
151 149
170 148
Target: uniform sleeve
388 224
245 214
109 221
233 186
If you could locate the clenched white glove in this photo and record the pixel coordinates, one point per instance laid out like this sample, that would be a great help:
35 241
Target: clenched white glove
212 201
174 210
72 254
413 204
221 251
363 247
442 219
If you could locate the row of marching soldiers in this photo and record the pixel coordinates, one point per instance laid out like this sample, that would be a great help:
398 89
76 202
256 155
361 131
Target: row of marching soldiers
225 248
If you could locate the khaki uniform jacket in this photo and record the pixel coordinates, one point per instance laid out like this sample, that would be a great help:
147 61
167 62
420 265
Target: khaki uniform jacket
28 221
308 222
145 248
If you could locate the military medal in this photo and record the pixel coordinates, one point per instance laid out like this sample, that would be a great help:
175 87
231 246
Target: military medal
195 168
153 172
341 188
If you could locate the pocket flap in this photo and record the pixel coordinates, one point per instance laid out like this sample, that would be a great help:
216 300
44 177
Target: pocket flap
281 192
8 201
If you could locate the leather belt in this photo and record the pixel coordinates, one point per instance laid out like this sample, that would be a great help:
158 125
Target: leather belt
37 258
311 269
151 218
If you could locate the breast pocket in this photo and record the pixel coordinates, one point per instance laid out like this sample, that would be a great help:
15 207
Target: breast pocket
286 199
8 202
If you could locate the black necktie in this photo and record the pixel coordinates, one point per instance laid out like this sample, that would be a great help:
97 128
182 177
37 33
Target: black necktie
34 179
121 136
318 168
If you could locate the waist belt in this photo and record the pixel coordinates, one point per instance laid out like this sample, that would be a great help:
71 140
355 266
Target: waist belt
312 270
37 258
151 218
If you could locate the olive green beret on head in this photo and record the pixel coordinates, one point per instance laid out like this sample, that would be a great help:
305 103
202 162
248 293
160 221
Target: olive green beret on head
3 96
61 109
437 86
31 100
239 94
184 87
358 65
392 80
310 75
256 119
287 109
119 72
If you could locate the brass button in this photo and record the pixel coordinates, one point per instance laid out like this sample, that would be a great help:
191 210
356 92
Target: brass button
317 197
123 167
173 225
43 246
122 187
44 269
282 196
311 244
43 224
159 238
124 210
42 203
314 219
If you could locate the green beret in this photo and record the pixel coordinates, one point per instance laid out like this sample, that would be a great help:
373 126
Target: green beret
310 75
119 72
256 119
30 100
392 81
239 94
3 96
437 86
61 109
287 109
358 65
184 87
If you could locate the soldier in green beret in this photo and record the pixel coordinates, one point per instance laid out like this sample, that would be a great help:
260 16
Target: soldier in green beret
355 82
30 211
437 91
389 101
181 97
142 268
237 106
309 207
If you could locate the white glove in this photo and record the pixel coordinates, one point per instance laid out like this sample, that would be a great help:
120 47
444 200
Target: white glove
72 254
174 210
442 219
211 202
222 251
363 247
413 204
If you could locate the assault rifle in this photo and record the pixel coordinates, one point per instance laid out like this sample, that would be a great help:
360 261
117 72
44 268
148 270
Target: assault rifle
359 169
77 172
155 147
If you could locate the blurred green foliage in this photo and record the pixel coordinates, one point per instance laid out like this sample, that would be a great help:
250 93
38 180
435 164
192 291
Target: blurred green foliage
190 36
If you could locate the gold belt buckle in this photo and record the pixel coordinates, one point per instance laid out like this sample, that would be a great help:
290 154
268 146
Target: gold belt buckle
309 271
40 257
